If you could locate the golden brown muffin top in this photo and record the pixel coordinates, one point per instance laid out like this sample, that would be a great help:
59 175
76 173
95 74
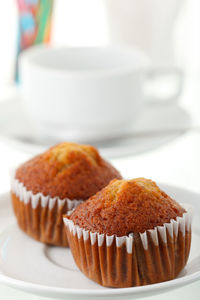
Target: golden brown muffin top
126 206
67 170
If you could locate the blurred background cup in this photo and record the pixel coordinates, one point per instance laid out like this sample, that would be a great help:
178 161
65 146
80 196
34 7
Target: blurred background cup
84 94
149 25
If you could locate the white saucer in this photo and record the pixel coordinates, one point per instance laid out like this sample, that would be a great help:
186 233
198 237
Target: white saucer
50 271
157 126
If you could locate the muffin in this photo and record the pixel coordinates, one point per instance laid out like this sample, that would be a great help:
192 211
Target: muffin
50 184
130 233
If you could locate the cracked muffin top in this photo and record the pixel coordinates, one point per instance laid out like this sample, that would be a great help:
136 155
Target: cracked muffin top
67 170
126 206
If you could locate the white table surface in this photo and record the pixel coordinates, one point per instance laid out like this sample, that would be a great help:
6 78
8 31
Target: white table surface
177 163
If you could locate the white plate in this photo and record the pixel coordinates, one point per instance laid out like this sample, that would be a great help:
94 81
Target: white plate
157 126
50 271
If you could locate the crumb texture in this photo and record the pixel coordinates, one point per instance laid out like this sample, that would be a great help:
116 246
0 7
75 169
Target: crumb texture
127 206
67 170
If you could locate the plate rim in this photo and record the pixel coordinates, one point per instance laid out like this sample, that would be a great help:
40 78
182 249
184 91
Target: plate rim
28 286
92 292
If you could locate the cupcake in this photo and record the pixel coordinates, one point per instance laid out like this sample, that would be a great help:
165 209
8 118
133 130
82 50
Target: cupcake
50 184
130 233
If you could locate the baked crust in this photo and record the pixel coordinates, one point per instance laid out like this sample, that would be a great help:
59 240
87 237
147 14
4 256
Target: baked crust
126 206
67 170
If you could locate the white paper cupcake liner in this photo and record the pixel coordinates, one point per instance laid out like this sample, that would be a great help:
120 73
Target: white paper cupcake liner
26 196
40 216
165 240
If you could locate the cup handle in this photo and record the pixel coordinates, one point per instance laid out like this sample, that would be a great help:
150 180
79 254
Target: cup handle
162 85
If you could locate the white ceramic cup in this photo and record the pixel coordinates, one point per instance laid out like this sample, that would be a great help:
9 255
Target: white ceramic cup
82 94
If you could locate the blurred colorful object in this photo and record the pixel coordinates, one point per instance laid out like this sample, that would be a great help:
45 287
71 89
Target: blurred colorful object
34 24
